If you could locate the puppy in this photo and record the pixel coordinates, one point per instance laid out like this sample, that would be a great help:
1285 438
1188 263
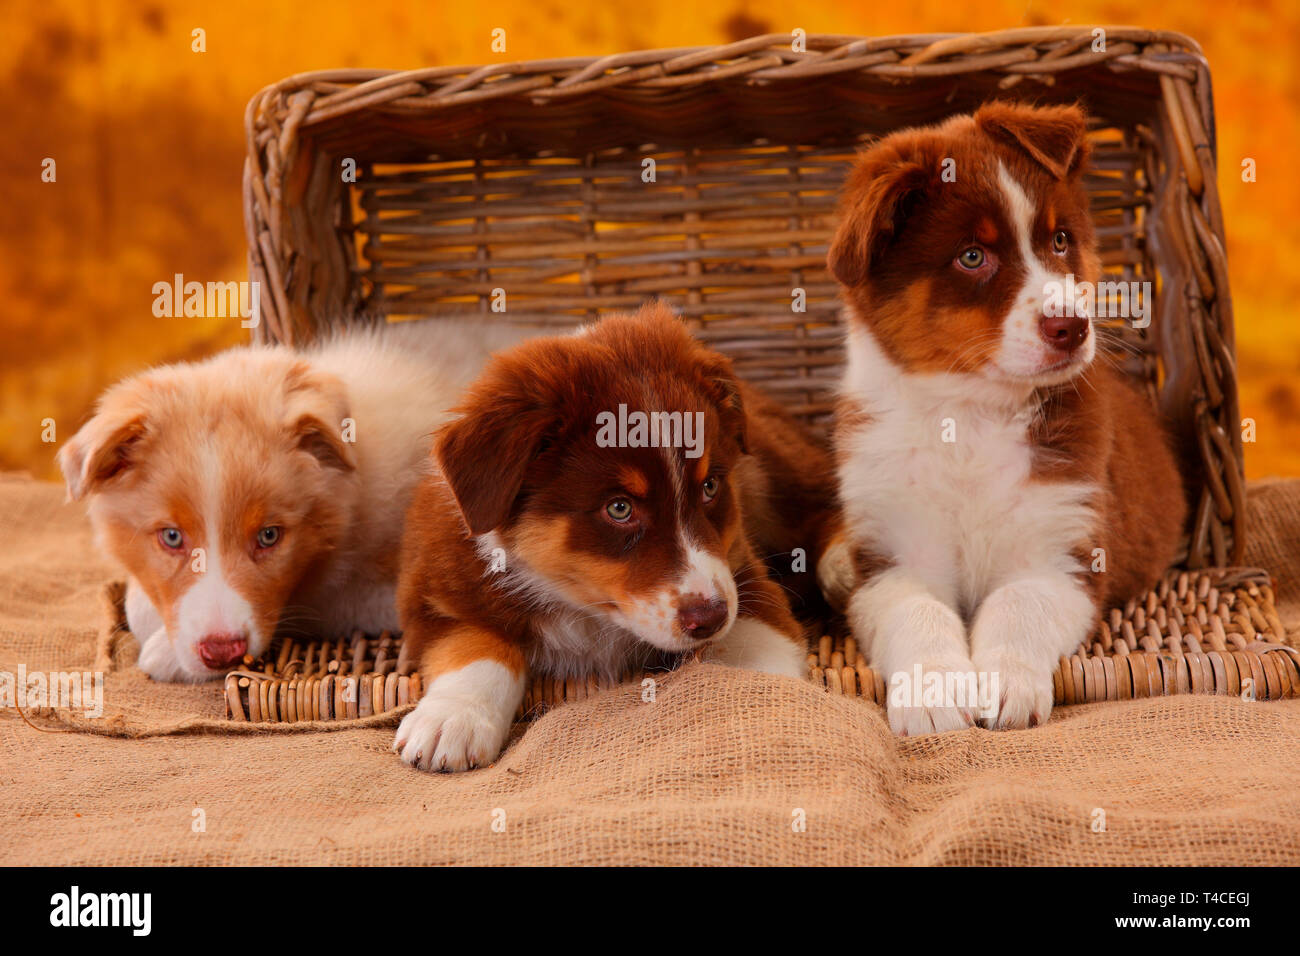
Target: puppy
999 483
266 487
559 536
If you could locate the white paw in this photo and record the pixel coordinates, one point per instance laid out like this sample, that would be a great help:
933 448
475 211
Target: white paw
914 721
141 618
836 574
944 699
158 658
1024 696
462 720
757 646
449 733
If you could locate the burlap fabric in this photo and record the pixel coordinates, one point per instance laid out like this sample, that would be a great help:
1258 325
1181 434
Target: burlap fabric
722 767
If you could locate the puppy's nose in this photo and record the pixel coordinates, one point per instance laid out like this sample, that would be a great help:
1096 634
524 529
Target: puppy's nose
701 618
1063 332
219 651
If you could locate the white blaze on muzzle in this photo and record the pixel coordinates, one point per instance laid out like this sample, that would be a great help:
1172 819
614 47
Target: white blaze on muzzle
1022 353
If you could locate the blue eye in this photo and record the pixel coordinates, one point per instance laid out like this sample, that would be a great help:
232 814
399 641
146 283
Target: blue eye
171 538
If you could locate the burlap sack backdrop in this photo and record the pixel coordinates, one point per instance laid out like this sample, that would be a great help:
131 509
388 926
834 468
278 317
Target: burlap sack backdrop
723 767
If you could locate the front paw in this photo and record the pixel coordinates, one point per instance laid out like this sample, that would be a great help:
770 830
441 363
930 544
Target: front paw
936 704
450 733
158 658
837 575
1023 695
757 646
915 721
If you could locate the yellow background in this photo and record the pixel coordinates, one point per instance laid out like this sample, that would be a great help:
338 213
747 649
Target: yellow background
148 140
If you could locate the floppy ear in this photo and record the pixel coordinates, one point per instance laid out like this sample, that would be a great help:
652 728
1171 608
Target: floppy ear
874 207
324 442
484 455
317 415
723 387
1054 136
101 450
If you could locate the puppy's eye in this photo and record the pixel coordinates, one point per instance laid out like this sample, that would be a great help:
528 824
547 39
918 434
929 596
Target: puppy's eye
268 536
1060 242
171 538
710 488
620 509
971 258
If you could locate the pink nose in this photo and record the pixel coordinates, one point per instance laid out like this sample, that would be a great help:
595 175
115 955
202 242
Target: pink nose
700 618
219 651
1063 332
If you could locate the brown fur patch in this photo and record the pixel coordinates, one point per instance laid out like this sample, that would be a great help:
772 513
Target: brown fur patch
462 644
1104 432
523 461
634 481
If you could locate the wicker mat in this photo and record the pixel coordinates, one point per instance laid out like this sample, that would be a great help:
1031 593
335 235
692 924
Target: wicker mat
1208 632
722 766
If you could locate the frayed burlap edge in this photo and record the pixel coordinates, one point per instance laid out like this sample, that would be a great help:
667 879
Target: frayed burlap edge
62 720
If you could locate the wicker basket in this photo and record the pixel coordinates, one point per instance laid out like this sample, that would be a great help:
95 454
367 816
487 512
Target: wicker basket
530 178
534 180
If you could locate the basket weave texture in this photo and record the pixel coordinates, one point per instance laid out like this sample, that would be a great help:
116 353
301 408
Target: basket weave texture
560 189
1213 632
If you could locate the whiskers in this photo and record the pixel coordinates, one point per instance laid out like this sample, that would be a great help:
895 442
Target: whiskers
1113 347
975 351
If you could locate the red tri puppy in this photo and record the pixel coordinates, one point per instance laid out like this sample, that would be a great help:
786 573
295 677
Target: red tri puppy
559 536
989 465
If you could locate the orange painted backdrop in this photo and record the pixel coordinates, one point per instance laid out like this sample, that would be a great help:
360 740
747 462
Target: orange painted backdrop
147 138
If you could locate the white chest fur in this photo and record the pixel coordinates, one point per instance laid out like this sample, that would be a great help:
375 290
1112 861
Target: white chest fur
575 644
572 642
938 480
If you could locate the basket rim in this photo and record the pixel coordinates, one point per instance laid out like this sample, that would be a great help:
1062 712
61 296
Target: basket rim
824 53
